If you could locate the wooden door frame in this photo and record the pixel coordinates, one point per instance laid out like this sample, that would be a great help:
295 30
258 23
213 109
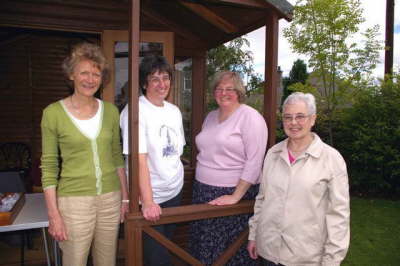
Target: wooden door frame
110 37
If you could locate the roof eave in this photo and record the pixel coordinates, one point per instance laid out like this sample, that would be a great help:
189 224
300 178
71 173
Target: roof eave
284 8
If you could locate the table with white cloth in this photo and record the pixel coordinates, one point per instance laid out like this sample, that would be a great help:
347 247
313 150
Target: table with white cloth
33 215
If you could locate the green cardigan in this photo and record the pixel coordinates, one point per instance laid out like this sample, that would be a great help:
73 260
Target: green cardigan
88 166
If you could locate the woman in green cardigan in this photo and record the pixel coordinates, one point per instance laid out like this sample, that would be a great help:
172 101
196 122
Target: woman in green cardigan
83 172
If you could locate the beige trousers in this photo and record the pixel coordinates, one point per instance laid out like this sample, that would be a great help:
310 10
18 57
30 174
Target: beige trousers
90 221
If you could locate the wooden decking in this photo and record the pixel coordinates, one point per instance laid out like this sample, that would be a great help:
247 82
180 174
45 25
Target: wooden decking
35 256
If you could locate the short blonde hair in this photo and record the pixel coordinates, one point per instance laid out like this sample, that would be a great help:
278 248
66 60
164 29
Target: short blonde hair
236 80
87 51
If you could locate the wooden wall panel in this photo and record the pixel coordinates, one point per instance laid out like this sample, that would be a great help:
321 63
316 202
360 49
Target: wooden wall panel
30 79
47 79
15 98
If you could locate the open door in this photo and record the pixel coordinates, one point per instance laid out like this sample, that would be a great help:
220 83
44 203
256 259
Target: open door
115 45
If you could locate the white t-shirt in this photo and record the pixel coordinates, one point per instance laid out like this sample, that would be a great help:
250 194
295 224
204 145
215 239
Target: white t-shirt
124 124
161 137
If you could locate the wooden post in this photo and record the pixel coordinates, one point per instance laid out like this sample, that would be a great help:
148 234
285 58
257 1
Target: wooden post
389 37
133 244
134 35
232 249
133 236
271 82
198 98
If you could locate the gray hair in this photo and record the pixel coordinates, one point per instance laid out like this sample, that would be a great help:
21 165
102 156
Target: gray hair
306 98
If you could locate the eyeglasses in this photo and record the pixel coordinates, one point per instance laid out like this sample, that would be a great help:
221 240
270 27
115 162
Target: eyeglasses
227 91
158 80
300 118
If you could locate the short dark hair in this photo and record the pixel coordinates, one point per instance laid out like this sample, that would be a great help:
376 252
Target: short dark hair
151 64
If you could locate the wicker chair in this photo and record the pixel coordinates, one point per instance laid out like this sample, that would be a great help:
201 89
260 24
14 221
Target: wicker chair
15 166
16 156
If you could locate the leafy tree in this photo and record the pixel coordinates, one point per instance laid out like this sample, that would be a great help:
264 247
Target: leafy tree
298 74
255 84
231 56
323 30
368 136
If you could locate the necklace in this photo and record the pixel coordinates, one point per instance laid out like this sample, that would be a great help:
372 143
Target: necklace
77 108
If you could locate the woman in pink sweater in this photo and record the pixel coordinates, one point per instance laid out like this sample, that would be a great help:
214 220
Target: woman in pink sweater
231 148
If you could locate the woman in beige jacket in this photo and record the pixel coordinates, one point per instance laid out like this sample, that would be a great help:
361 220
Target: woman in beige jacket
301 214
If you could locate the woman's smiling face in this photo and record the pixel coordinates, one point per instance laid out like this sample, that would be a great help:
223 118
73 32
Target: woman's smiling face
225 93
158 86
86 78
297 122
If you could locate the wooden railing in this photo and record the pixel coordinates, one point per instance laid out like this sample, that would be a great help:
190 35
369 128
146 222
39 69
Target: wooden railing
135 225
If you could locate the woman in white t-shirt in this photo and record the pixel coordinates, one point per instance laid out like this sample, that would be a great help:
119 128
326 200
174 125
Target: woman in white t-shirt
161 141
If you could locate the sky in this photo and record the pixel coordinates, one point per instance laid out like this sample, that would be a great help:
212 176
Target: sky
374 13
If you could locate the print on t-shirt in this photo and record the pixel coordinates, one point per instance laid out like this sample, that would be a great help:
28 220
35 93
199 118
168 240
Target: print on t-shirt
169 139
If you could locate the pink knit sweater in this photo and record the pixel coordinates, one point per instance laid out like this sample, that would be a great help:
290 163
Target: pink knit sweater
233 149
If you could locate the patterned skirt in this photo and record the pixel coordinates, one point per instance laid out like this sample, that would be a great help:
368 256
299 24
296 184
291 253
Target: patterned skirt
209 238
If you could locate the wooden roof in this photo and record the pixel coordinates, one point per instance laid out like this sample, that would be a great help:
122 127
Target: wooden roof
196 23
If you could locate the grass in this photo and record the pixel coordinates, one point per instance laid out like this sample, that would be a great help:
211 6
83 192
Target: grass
375 233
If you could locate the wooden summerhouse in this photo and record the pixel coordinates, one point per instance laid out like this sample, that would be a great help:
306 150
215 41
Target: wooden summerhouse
36 35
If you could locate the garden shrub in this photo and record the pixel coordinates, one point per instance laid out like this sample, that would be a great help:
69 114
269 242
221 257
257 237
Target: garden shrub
368 136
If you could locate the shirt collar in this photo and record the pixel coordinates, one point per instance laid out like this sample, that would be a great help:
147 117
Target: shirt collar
314 150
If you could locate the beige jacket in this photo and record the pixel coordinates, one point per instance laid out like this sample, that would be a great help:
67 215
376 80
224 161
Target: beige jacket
302 212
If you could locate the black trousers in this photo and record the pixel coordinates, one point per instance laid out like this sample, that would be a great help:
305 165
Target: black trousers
155 254
265 262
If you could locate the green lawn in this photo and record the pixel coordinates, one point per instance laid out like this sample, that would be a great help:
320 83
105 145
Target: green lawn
375 233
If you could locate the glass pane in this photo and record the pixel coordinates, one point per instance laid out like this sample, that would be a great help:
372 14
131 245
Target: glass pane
183 99
149 48
122 67
121 74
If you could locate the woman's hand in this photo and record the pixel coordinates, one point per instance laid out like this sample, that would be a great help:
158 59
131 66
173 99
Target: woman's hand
124 210
236 196
57 228
225 200
252 249
124 193
56 224
151 211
